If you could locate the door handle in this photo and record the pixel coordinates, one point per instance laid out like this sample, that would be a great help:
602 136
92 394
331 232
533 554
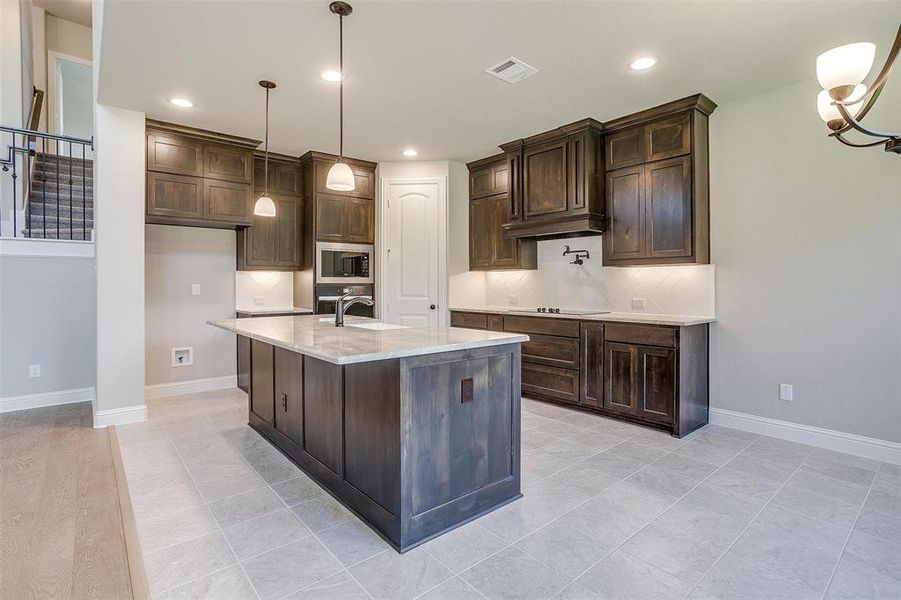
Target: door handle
285 402
432 307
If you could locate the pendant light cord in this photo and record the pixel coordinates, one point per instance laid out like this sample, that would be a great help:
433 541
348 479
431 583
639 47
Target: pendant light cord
266 154
341 87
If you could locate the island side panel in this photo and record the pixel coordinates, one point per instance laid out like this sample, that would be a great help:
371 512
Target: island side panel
372 431
262 386
323 413
288 368
460 438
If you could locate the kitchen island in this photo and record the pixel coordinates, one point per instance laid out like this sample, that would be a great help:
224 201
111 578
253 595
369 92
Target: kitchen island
416 430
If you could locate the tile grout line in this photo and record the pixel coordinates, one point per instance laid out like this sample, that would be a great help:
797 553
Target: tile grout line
850 532
751 522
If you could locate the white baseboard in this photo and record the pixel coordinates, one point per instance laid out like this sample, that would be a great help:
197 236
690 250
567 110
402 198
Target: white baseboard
867 447
180 388
120 416
11 403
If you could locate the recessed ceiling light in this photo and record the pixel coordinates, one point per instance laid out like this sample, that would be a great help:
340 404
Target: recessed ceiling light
331 75
645 62
410 152
182 102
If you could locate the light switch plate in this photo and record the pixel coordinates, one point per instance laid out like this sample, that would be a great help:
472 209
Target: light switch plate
259 300
785 392
195 289
34 370
512 300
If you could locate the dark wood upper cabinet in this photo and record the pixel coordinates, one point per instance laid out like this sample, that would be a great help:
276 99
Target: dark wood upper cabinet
331 212
360 221
175 154
489 210
657 200
556 182
198 178
274 243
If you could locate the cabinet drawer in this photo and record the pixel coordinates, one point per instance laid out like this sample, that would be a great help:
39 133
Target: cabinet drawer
495 323
469 320
552 382
648 335
552 350
547 326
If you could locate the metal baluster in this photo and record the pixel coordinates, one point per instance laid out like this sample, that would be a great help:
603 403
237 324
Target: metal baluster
70 190
30 184
15 176
44 185
84 210
57 188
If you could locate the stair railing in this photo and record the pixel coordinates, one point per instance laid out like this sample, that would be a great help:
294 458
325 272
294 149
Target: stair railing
48 193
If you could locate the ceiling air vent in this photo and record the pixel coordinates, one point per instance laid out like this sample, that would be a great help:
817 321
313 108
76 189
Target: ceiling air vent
511 70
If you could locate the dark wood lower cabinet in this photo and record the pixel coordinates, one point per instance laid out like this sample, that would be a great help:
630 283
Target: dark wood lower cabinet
651 374
244 363
288 367
262 383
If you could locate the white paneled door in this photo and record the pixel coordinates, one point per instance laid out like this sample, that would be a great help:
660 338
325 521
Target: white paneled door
413 234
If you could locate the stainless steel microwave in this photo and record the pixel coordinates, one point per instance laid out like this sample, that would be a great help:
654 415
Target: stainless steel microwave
343 263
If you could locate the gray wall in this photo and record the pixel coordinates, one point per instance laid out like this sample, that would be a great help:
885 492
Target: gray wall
176 258
806 238
47 317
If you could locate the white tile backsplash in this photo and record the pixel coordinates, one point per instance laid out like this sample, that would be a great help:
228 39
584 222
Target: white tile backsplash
672 290
275 287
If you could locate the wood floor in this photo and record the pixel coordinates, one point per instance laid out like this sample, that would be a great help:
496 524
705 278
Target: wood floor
61 532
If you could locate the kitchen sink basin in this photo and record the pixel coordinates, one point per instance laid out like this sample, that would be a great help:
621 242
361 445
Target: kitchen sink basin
376 326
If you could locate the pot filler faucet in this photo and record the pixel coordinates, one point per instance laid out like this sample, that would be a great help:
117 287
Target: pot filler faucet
345 302
580 254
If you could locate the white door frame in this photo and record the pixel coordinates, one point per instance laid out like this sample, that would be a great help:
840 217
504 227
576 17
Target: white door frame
382 239
54 117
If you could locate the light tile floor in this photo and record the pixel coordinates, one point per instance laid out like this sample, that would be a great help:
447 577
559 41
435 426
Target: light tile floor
610 510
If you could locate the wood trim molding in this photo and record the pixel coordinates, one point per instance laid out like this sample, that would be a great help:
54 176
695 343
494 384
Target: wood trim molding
698 102
858 445
192 386
204 134
489 160
140 590
324 156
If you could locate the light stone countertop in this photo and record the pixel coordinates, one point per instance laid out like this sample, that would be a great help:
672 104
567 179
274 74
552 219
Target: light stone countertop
265 310
312 336
621 317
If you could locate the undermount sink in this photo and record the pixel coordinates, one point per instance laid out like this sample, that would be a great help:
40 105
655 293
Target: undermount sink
376 326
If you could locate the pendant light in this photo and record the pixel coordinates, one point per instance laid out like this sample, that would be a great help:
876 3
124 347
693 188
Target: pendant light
264 206
340 177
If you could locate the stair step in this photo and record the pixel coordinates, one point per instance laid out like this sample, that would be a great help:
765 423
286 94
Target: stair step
42 196
50 158
76 212
57 234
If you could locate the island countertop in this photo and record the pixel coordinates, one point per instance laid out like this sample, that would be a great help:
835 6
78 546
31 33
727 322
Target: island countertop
317 336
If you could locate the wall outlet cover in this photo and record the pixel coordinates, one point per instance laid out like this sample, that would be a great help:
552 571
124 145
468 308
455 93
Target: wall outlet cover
512 300
785 392
259 300
34 370
182 357
638 304
195 289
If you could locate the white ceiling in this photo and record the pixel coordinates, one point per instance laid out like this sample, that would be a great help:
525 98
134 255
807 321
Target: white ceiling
414 70
77 11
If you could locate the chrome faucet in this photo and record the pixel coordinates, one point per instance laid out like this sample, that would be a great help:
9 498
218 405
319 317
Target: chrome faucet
346 301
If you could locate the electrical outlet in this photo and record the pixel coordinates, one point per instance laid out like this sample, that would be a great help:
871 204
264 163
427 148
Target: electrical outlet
785 392
34 370
195 289
512 300
637 303
182 357
259 300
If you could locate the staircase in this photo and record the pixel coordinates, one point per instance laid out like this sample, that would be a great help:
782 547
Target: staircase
61 201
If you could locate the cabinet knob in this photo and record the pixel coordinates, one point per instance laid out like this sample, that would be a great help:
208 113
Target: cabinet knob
432 307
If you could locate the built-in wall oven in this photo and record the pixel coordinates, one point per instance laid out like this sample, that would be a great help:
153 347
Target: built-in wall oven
326 297
343 263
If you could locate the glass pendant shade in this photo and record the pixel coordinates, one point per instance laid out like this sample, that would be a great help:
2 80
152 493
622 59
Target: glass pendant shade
264 206
829 112
845 65
340 178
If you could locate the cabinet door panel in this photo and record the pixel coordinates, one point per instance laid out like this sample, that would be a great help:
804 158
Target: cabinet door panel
262 385
174 154
323 389
330 213
360 221
621 378
542 380
287 179
544 179
669 137
592 341
364 181
657 377
506 249
499 178
482 219
289 394
228 163
259 242
174 196
286 245
244 363
625 148
552 350
227 201
480 183
625 214
668 209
